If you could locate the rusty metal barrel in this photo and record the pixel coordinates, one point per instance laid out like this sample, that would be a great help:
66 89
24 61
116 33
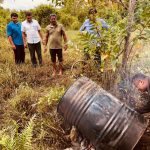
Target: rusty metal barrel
100 117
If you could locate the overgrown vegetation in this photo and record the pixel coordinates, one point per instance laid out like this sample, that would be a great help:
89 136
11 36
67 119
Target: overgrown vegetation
29 97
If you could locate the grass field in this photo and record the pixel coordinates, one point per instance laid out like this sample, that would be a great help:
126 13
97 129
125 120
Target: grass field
28 92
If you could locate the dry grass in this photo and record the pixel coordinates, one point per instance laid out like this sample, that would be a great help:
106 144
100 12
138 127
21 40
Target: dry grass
27 91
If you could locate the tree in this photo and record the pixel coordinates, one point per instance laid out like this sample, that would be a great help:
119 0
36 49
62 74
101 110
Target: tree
127 49
136 12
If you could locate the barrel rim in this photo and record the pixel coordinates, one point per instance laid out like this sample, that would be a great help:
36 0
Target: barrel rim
61 99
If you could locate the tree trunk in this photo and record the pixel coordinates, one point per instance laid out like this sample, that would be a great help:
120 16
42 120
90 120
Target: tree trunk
127 49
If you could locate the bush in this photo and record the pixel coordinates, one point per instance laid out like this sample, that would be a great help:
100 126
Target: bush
75 25
82 15
41 13
69 21
4 19
10 139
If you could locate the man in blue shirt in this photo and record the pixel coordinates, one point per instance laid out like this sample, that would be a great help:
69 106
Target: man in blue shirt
88 26
14 35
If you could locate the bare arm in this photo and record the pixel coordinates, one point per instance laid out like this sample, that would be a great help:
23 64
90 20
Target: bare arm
9 35
65 40
46 38
46 41
65 37
40 33
11 42
24 39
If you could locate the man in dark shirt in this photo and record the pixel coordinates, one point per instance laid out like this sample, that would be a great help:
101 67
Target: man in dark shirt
135 92
142 83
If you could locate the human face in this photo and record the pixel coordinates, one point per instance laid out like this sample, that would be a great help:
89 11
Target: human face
53 20
92 16
14 19
141 85
29 18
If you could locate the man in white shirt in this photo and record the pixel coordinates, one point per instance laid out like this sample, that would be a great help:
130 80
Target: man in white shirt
32 36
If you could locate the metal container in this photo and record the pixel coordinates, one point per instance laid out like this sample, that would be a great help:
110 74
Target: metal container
100 117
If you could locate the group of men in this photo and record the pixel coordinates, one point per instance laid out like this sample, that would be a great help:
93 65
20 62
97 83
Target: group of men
28 34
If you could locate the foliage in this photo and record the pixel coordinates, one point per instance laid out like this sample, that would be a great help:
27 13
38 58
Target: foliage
142 21
109 40
40 13
26 91
4 19
30 91
74 11
23 93
69 21
54 95
37 93
10 139
113 41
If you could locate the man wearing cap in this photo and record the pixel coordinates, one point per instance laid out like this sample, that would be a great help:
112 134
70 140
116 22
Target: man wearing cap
32 36
54 34
88 26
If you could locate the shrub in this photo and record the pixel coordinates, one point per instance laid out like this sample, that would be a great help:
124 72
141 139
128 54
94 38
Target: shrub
4 19
10 139
69 21
23 93
75 25
40 13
